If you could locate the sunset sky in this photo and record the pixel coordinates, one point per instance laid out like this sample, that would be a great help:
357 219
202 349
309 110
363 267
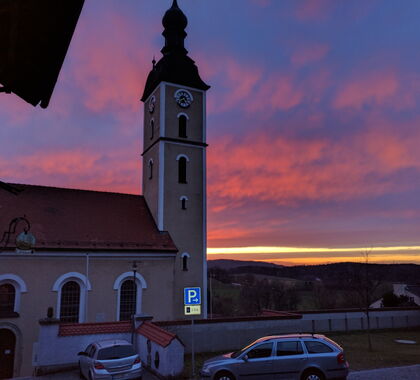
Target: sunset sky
313 121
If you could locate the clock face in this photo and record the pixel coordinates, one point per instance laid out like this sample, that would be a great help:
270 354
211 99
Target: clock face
152 103
183 98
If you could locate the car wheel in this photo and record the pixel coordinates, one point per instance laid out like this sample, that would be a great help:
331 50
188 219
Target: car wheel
313 375
224 376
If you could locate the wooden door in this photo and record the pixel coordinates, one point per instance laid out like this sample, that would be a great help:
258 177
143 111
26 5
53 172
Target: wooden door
7 353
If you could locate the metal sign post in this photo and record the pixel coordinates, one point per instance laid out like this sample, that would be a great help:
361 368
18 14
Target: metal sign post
192 306
192 348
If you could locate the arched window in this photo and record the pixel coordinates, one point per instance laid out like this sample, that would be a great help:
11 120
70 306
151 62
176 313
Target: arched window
67 295
128 298
70 302
11 288
152 129
182 124
129 295
185 258
182 170
150 169
7 298
183 200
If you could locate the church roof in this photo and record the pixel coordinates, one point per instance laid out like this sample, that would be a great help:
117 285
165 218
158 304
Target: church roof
175 66
156 334
69 219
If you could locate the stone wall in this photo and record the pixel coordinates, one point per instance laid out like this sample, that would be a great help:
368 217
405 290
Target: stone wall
213 335
58 345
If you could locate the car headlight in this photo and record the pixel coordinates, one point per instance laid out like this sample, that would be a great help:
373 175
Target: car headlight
205 370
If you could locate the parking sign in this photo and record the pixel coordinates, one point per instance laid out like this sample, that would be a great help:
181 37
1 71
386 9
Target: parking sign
192 296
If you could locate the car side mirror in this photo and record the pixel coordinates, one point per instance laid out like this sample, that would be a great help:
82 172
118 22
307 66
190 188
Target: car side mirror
245 358
82 353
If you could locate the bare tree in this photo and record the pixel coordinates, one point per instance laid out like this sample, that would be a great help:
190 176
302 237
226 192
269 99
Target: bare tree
365 285
323 298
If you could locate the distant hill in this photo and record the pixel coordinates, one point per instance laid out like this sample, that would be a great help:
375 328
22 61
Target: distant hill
232 264
329 273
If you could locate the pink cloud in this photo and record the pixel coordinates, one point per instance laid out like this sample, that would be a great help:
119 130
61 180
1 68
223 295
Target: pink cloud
76 168
390 150
110 74
368 88
318 10
286 171
238 77
309 54
15 110
279 92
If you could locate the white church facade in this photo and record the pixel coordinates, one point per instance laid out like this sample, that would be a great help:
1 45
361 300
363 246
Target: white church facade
101 256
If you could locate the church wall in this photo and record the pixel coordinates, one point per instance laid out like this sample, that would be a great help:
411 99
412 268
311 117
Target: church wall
150 186
147 118
185 226
40 274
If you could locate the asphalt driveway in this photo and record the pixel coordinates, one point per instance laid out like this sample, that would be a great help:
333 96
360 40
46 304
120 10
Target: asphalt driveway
401 373
73 375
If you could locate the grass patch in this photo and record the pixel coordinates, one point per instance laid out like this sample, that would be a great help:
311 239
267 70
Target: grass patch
386 352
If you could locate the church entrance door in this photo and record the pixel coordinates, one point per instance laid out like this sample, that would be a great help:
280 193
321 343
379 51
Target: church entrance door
7 353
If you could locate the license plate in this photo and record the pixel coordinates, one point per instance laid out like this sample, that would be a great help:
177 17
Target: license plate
121 376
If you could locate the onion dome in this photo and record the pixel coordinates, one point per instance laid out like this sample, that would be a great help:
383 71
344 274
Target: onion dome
175 66
174 18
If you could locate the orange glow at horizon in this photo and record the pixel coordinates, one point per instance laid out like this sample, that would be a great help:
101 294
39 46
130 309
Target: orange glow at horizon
314 256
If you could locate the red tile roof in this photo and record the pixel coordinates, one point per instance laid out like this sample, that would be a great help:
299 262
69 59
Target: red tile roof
69 329
72 219
156 334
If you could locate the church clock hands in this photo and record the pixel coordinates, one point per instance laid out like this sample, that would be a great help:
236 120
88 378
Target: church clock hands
183 98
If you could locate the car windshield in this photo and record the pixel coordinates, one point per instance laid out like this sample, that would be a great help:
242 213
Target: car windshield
116 352
237 353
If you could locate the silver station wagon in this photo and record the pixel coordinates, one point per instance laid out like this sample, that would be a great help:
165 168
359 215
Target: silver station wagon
110 360
291 357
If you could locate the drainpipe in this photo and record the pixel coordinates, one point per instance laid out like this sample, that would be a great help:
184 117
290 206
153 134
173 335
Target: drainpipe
133 333
86 287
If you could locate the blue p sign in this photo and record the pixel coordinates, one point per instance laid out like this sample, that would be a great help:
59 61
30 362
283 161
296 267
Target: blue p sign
192 296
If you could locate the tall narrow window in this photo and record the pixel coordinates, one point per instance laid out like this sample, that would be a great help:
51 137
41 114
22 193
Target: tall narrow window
182 170
7 298
150 169
152 129
128 299
183 200
185 263
70 302
185 257
182 122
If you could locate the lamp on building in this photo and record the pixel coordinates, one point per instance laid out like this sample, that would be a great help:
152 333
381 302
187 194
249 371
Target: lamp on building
25 241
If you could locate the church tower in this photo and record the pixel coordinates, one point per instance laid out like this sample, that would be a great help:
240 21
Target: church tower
174 156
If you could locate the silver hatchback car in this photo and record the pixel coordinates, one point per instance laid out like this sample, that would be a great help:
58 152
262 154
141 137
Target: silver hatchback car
291 357
110 360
